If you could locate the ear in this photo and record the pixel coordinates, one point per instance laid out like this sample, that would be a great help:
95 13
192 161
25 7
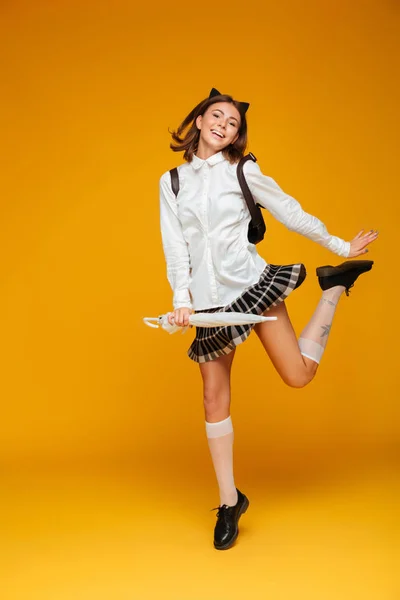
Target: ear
199 121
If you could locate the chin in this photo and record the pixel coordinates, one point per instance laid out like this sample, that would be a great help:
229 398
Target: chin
220 146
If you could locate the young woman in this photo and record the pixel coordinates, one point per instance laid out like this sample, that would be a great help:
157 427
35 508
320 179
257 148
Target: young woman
211 266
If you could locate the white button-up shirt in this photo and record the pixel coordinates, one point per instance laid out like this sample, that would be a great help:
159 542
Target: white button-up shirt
210 261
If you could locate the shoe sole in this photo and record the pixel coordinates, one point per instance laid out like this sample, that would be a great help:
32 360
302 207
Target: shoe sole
361 265
233 540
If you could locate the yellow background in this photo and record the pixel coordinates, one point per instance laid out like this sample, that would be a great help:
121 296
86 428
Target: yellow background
88 91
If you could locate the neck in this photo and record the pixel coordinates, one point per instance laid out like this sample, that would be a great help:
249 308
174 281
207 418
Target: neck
204 151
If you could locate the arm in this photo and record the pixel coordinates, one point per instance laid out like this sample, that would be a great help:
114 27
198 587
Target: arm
288 211
175 247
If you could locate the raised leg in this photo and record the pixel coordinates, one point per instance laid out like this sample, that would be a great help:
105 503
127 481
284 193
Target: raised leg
297 360
280 342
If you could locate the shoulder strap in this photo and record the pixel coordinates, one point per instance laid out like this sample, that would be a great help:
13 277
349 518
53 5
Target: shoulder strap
255 212
174 180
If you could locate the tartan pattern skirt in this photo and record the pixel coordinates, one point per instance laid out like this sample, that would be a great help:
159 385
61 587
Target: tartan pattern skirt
275 284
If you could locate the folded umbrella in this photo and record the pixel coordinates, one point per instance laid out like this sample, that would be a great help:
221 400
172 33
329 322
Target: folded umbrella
217 319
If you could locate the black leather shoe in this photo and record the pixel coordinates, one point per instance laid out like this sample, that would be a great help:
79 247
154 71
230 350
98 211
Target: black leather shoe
226 530
344 274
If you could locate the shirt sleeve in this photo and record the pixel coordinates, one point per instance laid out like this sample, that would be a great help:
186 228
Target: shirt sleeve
175 246
288 211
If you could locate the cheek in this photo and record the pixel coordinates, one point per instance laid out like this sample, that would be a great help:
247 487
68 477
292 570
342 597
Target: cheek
233 135
207 120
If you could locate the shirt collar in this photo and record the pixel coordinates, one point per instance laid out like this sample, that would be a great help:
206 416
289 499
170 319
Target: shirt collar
212 160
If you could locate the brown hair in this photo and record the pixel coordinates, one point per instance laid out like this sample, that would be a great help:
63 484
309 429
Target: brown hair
188 142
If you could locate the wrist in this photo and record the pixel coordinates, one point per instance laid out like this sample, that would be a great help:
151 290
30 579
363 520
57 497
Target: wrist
180 305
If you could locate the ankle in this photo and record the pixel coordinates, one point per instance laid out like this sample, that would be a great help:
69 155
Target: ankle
230 498
333 294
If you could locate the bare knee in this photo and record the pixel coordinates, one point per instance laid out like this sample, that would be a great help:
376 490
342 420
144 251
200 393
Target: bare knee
216 386
298 380
216 403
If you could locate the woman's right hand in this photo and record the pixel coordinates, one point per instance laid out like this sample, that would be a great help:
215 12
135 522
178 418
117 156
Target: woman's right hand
180 317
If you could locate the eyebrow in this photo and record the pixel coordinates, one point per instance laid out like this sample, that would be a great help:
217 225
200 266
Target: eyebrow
224 114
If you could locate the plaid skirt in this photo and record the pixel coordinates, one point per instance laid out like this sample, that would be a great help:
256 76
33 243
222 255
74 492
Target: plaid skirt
275 284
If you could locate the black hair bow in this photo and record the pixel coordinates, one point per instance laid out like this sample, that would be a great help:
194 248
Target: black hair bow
214 92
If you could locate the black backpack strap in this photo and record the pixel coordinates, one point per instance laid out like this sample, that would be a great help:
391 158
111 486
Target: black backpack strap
253 208
174 181
256 226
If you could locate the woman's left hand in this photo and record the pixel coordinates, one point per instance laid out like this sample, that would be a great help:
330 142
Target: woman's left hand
359 244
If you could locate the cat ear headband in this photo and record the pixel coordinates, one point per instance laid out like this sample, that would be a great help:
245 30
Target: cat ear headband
214 92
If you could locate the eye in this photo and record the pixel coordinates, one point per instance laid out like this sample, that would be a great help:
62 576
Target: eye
215 114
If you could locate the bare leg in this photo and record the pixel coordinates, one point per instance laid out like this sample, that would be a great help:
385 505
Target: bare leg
216 376
297 366
217 396
280 342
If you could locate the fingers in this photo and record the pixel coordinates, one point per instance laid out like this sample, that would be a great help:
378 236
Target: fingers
180 317
358 245
369 233
355 253
368 238
183 319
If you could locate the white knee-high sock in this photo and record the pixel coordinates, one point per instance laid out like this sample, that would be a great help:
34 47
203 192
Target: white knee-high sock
220 442
314 337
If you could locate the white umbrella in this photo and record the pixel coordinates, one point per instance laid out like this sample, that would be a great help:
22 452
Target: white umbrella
217 319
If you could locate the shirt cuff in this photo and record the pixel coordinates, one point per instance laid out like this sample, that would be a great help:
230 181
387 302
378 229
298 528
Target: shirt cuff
346 250
339 246
182 299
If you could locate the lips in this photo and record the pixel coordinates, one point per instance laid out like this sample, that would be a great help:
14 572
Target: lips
217 134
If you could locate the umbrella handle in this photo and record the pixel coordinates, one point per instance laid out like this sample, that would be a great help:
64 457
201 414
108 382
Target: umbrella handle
148 320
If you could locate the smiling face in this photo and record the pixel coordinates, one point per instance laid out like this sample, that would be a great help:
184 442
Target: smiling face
219 127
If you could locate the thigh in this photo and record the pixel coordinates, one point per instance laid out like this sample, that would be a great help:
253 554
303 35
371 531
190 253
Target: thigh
280 342
216 375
